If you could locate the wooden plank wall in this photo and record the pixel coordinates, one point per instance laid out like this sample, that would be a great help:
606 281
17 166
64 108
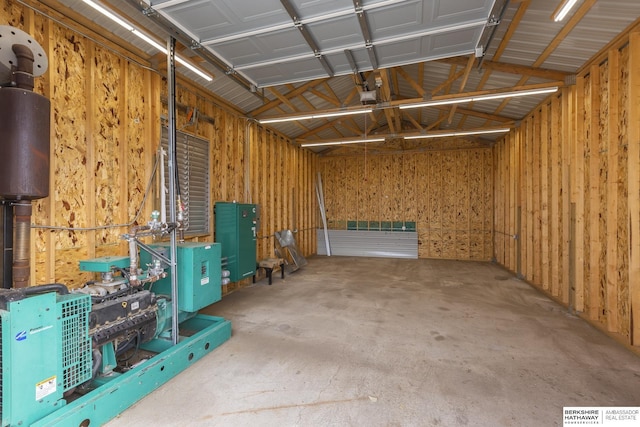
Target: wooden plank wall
283 184
577 161
106 115
447 192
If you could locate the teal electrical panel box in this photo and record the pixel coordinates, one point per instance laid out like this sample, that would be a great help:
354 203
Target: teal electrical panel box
199 274
236 230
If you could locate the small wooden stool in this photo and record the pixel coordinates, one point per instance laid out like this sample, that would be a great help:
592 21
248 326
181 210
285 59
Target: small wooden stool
269 265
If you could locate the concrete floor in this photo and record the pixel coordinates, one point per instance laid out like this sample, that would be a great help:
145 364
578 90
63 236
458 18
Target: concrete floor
381 342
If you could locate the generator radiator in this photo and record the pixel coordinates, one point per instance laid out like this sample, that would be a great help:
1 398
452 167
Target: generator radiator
75 342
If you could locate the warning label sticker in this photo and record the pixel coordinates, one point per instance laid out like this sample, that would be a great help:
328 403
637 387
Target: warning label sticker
45 388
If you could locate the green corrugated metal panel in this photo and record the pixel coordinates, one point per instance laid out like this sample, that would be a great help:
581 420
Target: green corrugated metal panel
375 225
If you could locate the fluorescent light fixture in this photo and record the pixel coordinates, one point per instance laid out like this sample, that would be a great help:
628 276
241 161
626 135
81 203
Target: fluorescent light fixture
458 133
314 116
345 142
563 9
149 40
115 18
193 68
109 14
485 97
419 136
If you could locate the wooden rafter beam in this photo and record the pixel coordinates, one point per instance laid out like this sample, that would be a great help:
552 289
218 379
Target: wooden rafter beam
386 95
330 99
504 67
330 91
513 26
463 83
421 84
415 85
515 22
479 114
413 121
435 124
283 99
292 94
562 34
446 85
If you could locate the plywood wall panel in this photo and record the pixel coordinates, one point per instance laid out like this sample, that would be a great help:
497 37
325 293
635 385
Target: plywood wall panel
622 233
138 160
363 195
69 107
588 173
424 181
408 189
633 177
447 193
107 161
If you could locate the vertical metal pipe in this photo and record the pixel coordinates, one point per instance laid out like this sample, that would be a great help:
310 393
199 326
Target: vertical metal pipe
22 243
171 105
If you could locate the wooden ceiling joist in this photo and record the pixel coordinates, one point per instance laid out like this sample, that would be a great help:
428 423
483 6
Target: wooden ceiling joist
292 94
522 70
463 83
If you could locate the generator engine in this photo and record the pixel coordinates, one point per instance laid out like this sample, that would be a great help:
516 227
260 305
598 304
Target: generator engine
60 346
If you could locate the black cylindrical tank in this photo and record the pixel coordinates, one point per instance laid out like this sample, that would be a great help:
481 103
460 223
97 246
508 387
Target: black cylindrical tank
24 144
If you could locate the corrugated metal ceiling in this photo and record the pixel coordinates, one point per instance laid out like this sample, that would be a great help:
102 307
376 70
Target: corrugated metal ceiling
262 54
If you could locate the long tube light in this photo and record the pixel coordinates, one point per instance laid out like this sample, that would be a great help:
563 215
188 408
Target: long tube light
124 24
458 133
314 116
344 142
563 9
380 138
485 97
432 103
